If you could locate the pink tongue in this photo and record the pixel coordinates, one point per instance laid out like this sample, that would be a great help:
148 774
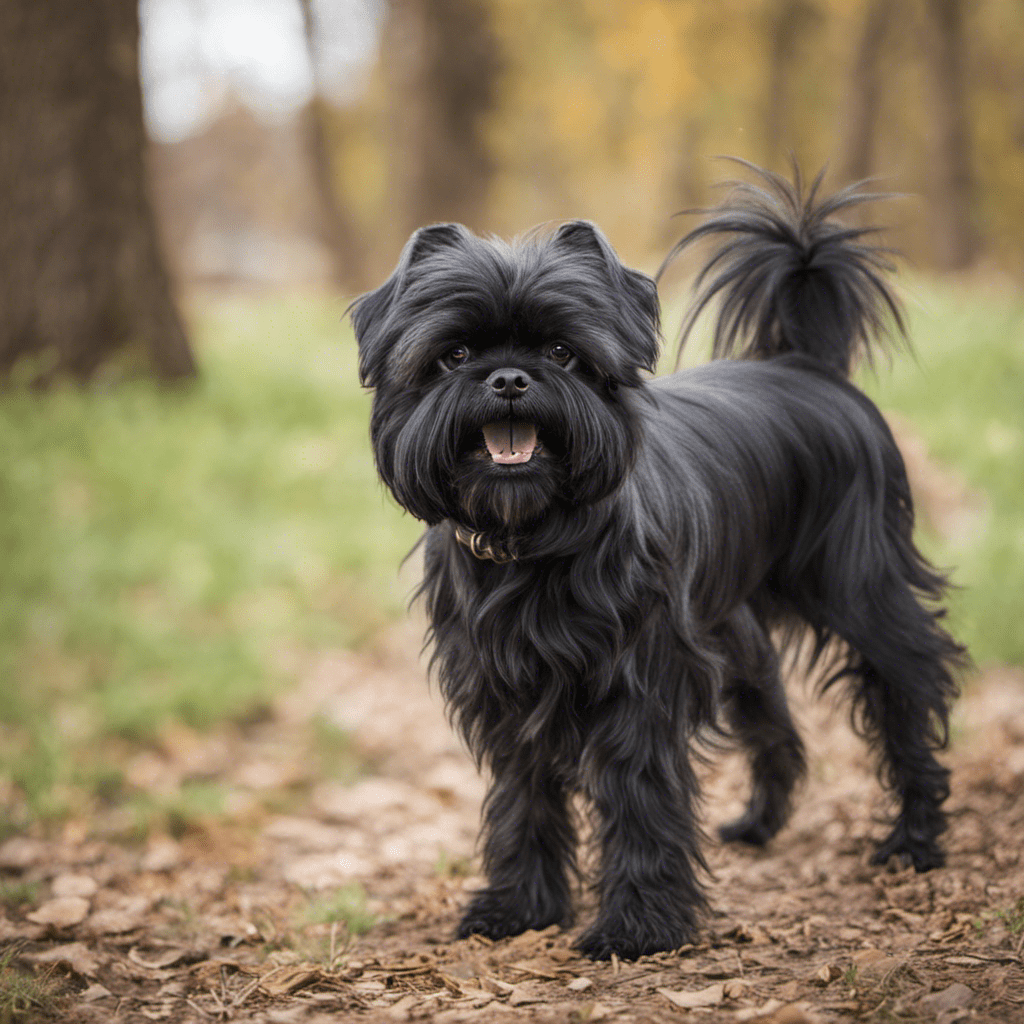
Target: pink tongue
510 444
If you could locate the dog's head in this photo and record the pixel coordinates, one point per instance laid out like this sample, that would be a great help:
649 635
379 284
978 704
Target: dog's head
505 375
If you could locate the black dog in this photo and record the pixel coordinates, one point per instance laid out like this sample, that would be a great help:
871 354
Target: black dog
608 554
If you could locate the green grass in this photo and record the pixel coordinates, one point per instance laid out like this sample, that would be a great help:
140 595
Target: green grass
964 394
24 995
1013 917
346 905
335 752
162 548
15 895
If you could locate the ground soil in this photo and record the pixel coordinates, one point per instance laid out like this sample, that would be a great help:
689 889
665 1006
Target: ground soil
230 919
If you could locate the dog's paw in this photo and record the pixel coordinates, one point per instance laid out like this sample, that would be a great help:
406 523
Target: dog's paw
745 829
923 853
497 915
604 938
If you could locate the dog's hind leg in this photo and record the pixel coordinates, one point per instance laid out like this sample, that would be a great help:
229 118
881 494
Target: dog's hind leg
901 659
901 663
528 849
758 713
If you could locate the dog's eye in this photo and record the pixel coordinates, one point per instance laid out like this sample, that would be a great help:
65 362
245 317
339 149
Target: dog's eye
560 353
455 356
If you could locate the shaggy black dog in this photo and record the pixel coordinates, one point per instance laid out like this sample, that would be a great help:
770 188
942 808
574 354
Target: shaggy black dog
608 555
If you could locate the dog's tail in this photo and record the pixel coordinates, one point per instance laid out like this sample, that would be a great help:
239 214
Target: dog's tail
791 278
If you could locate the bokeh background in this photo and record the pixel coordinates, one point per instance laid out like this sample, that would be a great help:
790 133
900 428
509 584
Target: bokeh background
191 193
309 139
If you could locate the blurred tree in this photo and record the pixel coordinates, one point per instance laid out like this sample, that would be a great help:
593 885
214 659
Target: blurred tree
83 275
336 230
612 109
441 63
787 24
863 98
954 182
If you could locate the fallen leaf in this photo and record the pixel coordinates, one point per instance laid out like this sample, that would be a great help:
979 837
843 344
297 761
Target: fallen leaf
402 1010
563 956
521 995
173 988
953 997
208 973
873 964
74 885
162 855
791 1014
477 996
161 1012
826 974
592 1011
735 988
710 996
327 870
114 922
497 986
868 957
463 970
370 987
283 980
76 955
20 853
63 912
760 1013
977 959
167 958
453 985
94 992
538 967
369 798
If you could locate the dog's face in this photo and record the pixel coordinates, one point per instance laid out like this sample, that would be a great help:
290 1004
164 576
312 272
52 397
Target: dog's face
505 376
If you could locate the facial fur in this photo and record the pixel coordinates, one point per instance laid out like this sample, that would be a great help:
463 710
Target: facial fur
545 339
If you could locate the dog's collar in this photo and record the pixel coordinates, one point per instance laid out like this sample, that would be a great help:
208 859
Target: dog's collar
483 547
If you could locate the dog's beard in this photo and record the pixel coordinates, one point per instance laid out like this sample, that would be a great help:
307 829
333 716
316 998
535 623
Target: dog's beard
508 482
450 452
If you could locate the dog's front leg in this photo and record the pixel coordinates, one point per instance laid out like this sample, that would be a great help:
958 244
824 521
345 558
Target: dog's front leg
528 844
643 790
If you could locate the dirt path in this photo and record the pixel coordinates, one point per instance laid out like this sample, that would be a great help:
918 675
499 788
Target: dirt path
223 924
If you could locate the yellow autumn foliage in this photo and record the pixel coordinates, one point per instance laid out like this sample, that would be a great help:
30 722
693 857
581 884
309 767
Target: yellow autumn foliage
614 110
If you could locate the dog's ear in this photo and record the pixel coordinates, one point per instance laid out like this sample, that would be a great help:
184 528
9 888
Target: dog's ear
375 327
637 294
432 239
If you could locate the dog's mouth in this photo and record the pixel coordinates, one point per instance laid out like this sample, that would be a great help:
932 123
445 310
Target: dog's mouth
511 443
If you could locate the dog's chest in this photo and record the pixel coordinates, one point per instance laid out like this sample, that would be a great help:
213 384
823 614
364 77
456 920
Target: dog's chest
543 623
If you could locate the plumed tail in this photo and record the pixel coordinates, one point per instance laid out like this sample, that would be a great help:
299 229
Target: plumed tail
790 277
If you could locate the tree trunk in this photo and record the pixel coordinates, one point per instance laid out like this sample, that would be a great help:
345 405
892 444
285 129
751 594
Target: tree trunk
83 275
789 20
336 230
953 219
857 131
442 64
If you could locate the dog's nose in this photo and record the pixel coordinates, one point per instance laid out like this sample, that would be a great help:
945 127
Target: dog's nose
509 383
